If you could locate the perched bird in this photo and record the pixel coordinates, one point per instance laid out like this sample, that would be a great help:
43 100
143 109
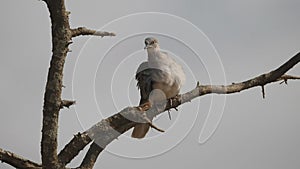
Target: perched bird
158 79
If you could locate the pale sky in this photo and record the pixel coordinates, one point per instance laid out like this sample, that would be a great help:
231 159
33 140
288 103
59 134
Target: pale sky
250 37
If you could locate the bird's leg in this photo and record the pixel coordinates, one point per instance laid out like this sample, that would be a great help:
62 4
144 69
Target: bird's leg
177 97
171 104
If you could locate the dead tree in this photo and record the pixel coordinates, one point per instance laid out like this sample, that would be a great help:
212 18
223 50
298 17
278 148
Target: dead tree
105 131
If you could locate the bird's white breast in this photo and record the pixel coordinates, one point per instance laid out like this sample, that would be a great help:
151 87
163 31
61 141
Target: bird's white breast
162 61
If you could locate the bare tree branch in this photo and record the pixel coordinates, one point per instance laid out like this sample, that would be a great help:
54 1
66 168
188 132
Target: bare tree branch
111 126
61 36
79 141
91 156
84 31
285 78
109 129
262 80
17 161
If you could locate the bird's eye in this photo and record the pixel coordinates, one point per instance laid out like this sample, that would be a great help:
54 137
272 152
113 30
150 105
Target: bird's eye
152 42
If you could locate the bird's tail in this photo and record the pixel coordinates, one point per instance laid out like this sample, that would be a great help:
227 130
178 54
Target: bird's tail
140 130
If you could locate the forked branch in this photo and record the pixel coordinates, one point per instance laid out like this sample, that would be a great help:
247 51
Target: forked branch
105 131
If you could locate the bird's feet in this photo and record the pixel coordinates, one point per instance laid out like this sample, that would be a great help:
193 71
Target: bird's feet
145 106
173 101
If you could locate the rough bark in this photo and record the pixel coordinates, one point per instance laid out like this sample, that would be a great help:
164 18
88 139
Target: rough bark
61 36
79 141
91 156
17 161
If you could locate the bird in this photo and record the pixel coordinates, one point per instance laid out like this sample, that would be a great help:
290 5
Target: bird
159 78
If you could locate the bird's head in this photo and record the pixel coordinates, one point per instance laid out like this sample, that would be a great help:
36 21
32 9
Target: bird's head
151 43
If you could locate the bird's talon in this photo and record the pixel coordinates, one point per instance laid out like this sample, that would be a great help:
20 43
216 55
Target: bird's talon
144 107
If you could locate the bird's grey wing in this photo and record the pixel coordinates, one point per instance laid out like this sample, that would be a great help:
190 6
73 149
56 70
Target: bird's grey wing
143 77
146 77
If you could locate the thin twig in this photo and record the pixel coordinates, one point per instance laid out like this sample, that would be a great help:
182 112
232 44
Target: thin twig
67 103
263 91
285 78
84 31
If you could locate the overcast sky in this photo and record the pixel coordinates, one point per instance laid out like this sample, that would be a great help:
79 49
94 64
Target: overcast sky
216 42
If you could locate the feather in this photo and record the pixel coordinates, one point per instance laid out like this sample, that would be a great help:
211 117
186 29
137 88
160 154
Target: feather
161 73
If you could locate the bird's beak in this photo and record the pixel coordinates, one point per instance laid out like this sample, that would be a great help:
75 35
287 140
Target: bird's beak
146 47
